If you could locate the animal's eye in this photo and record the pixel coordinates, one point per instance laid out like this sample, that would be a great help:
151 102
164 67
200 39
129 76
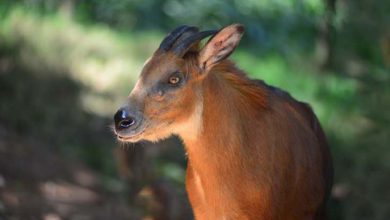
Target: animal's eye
174 79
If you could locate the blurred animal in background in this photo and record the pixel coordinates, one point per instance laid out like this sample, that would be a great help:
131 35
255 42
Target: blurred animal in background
254 152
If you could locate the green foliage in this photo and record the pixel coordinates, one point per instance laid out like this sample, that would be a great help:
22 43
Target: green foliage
66 75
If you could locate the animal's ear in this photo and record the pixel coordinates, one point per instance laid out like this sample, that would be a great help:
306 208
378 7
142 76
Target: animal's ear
220 46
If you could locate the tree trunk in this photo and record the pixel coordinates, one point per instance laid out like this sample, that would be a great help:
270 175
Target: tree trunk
323 52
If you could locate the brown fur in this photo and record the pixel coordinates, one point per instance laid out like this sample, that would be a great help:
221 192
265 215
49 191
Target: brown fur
259 155
254 152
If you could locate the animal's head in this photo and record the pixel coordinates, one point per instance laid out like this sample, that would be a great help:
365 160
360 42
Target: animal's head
167 98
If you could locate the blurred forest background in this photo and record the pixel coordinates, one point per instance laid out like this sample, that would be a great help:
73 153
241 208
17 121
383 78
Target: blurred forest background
67 65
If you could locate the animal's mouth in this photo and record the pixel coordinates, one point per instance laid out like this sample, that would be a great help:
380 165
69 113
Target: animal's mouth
137 136
130 138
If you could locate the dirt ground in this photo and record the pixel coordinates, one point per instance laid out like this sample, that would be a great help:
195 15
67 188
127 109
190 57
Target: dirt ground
37 184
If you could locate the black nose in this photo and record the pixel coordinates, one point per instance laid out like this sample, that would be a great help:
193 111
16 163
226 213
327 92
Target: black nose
123 119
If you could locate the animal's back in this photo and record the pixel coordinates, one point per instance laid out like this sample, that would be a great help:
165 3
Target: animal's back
304 114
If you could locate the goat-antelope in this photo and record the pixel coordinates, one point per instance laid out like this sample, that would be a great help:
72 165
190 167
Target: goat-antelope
254 152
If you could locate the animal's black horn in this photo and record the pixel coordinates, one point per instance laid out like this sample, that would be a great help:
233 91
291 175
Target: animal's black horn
171 38
182 47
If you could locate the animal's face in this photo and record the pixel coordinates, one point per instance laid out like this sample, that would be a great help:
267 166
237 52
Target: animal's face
164 96
167 98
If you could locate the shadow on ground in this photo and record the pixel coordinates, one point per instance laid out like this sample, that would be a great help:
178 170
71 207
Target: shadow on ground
58 161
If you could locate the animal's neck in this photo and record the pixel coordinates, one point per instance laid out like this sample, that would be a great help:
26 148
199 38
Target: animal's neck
230 102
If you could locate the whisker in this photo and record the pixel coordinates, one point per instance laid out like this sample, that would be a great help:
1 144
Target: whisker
122 145
133 147
111 127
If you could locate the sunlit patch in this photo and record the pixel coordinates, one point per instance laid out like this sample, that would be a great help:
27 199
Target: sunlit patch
66 192
92 55
51 216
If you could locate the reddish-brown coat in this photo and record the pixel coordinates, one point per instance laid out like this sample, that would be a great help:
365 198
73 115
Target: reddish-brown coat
254 152
261 154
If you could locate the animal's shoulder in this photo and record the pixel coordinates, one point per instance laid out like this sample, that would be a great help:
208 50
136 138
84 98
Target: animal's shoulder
273 90
304 108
